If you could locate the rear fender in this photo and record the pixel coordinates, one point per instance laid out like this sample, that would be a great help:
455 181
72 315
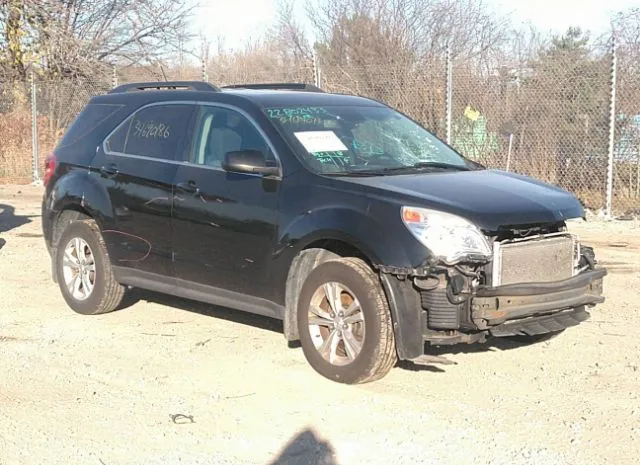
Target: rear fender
79 191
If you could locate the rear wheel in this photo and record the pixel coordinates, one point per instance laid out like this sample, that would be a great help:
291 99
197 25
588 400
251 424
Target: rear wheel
84 270
344 322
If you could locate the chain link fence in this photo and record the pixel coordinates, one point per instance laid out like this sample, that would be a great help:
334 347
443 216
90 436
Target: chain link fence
418 92
15 132
549 119
626 173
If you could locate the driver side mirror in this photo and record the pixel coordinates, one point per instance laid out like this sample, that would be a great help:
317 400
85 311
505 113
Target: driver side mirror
248 161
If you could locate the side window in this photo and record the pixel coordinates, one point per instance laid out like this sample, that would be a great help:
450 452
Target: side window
220 130
155 132
92 115
115 143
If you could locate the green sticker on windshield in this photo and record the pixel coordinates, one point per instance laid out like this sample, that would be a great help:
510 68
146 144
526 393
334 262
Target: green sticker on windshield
298 115
332 158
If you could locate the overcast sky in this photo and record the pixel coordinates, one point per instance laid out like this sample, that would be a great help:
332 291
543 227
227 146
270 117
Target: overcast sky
244 19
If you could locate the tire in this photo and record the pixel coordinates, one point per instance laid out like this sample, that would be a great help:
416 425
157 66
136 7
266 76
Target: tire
342 335
102 293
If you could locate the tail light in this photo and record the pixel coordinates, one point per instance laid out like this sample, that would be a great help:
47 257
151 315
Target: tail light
49 167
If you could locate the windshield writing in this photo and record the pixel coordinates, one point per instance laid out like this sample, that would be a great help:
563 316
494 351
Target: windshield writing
344 139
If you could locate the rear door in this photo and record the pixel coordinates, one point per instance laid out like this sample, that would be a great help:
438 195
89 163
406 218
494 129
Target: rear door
224 224
138 163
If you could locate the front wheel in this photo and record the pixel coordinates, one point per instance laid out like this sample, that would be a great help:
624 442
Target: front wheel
84 270
344 322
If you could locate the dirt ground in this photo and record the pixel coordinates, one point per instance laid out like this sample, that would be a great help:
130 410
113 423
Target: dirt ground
168 381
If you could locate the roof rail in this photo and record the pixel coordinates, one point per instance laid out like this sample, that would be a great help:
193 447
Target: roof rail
277 86
160 85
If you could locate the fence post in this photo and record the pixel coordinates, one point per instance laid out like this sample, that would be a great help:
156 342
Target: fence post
317 76
114 77
34 129
612 126
203 70
449 102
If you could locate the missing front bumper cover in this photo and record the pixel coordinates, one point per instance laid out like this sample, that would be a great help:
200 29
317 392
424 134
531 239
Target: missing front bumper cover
495 305
542 324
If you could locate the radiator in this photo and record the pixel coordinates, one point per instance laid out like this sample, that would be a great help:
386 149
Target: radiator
541 259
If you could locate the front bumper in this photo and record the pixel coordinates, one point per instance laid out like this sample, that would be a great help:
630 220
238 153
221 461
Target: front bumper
492 306
428 316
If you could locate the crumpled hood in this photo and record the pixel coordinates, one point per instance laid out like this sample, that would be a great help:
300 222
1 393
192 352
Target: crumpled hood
488 198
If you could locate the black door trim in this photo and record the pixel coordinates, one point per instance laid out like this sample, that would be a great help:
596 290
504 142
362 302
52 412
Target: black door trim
199 292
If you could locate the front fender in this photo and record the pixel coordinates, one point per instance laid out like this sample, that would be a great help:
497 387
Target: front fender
354 227
298 252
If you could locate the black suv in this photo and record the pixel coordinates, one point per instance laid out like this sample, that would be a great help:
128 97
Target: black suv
353 224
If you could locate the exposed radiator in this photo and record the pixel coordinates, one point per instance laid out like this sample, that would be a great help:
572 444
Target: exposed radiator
537 260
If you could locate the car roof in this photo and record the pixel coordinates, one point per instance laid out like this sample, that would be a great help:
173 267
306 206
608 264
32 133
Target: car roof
264 98
280 98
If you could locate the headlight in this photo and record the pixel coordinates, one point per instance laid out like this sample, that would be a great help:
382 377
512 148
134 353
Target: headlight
449 237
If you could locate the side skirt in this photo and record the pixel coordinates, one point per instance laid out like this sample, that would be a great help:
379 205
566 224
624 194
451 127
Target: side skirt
195 291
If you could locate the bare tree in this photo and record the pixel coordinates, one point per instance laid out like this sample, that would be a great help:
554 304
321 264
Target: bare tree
70 38
423 27
282 54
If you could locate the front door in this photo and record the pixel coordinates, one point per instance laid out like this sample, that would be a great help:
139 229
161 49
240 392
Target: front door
138 164
224 224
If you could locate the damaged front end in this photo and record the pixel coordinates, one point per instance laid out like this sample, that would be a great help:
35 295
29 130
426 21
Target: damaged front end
534 280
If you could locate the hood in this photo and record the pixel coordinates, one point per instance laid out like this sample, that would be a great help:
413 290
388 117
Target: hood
488 198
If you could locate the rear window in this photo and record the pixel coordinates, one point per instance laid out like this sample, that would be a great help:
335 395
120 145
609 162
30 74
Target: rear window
89 118
155 132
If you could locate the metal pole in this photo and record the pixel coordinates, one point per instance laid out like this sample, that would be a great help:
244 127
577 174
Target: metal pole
34 129
612 126
449 102
509 152
638 172
205 78
317 77
114 77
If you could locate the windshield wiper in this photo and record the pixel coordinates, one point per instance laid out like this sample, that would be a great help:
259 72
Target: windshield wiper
362 173
396 169
426 165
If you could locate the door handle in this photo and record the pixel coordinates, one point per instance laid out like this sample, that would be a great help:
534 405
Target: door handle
110 170
189 187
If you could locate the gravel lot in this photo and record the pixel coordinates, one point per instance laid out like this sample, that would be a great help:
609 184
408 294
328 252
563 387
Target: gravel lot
169 381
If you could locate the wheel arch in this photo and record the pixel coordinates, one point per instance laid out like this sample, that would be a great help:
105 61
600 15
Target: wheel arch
316 250
75 196
82 192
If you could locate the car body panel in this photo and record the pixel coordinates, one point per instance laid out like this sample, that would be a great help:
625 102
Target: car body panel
490 199
224 234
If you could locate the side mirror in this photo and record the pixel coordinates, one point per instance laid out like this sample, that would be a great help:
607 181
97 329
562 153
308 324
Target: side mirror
248 161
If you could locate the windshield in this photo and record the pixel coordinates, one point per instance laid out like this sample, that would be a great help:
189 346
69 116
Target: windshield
362 139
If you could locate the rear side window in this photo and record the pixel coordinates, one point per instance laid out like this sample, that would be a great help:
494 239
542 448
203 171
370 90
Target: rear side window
89 118
155 132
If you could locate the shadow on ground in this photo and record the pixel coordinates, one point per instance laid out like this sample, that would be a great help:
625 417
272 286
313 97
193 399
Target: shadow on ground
249 319
9 220
270 324
306 449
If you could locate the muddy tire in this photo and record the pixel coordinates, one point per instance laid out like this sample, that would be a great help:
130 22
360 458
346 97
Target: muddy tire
344 322
83 270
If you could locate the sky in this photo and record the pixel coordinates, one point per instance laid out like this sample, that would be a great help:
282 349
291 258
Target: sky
241 20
